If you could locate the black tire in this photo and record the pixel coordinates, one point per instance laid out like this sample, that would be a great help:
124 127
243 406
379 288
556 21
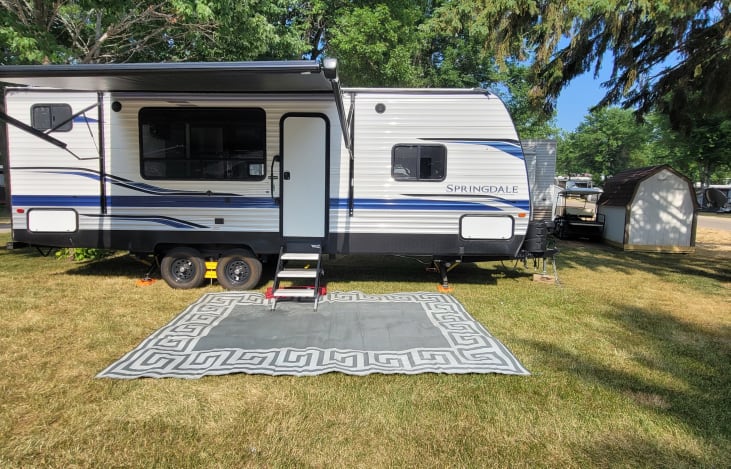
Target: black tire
183 268
238 270
562 231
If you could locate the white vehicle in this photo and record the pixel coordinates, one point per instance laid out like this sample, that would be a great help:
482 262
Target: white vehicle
241 162
575 213
718 197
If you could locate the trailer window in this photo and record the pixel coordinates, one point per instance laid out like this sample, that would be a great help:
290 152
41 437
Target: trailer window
419 162
55 117
205 144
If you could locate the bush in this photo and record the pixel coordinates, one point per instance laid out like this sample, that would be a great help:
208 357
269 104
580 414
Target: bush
83 254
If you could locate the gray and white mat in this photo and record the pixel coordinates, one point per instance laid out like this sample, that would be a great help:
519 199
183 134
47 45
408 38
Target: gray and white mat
351 333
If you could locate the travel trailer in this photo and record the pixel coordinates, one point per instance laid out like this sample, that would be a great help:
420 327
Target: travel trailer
239 163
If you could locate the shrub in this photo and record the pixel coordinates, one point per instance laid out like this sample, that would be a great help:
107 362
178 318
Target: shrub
83 254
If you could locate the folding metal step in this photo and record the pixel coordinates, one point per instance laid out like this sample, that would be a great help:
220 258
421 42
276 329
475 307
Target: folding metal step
294 293
298 273
300 256
295 264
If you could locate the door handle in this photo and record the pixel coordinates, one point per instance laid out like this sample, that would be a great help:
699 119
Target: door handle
286 176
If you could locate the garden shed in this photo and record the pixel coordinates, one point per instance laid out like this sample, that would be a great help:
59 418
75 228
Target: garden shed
649 209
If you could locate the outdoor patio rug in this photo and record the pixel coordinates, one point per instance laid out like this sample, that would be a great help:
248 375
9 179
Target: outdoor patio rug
351 333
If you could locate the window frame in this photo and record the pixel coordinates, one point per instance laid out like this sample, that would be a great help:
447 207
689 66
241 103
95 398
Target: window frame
253 160
418 177
67 118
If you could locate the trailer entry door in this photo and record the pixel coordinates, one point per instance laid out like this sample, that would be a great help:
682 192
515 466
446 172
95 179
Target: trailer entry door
304 175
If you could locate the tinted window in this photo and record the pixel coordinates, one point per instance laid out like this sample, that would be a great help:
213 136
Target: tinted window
55 117
210 144
419 162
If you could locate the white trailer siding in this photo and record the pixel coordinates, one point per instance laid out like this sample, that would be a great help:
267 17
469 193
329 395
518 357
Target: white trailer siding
485 171
480 207
46 177
148 205
252 209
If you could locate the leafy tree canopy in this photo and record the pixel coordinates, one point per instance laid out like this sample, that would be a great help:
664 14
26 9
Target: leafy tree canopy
703 153
392 43
88 31
400 43
663 51
250 30
608 141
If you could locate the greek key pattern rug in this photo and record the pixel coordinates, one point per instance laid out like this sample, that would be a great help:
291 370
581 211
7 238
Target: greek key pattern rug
351 333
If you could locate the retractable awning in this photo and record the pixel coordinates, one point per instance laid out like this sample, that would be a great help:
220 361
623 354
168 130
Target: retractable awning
299 76
295 76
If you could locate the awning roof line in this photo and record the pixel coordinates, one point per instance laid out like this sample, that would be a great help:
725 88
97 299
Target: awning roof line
293 76
213 77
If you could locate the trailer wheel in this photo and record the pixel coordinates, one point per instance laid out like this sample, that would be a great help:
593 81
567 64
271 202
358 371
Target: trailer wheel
562 231
238 270
183 268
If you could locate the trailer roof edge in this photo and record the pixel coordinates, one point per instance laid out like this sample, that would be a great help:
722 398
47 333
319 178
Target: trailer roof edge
418 90
222 77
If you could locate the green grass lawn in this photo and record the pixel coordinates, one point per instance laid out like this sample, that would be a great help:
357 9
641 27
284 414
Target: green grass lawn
631 363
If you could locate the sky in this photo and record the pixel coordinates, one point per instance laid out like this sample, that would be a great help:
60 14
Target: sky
582 93
585 91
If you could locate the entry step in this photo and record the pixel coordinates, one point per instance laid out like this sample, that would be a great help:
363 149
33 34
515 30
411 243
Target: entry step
300 256
295 293
298 273
300 261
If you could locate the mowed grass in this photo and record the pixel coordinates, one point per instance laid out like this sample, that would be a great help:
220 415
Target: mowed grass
630 355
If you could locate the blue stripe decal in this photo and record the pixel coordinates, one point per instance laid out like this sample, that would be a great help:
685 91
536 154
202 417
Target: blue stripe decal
150 189
80 172
55 200
167 221
143 201
428 204
122 182
83 120
510 147
191 201
260 203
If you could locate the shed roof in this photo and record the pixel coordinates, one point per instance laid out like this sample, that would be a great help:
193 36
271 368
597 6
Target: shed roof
223 77
620 189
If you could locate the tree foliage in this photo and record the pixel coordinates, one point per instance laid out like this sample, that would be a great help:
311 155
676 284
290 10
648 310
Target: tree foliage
608 141
378 45
250 30
515 85
400 43
87 31
394 43
662 50
390 43
703 153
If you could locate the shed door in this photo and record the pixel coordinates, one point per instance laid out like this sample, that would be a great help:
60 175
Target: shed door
304 175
